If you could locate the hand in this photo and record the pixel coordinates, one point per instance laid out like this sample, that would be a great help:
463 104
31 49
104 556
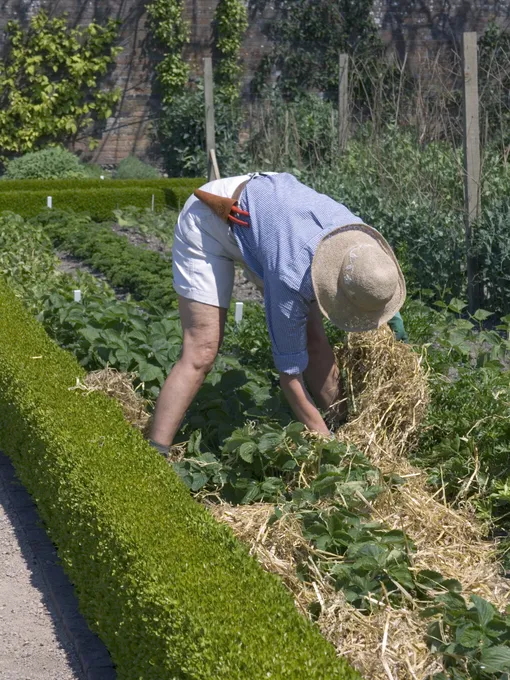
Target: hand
301 403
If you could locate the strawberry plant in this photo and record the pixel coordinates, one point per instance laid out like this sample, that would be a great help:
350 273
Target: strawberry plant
473 638
144 273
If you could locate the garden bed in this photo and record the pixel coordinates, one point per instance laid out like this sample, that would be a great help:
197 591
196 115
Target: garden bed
238 445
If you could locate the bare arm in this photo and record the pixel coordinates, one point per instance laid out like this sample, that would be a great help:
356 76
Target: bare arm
321 374
301 403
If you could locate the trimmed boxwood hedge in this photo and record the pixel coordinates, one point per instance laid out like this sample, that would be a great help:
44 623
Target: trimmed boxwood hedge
80 184
170 591
98 204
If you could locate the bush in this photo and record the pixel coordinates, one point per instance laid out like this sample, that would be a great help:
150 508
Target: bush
52 163
94 171
181 134
491 245
170 591
98 204
133 168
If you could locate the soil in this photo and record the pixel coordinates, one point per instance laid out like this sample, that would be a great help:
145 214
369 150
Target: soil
33 644
148 241
71 265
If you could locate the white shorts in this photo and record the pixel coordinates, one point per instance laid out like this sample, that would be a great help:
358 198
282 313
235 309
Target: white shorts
205 250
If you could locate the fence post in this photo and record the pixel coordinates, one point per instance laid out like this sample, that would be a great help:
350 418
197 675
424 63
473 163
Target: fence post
343 101
210 137
471 162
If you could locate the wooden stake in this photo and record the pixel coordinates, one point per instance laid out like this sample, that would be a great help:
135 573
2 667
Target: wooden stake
210 135
343 101
215 171
471 162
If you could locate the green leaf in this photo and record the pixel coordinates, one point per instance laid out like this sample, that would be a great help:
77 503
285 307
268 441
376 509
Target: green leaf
496 659
469 636
482 314
456 305
435 638
247 450
200 479
486 611
90 334
269 441
429 578
149 372
402 575
236 441
452 585
251 495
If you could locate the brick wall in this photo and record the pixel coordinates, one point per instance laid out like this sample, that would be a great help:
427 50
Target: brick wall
407 25
421 26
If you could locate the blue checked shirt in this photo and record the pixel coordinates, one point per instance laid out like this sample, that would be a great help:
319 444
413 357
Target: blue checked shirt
287 221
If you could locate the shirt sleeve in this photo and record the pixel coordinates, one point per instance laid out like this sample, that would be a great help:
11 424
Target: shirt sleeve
287 317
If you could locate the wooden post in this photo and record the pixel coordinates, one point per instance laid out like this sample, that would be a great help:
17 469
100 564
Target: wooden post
212 166
343 101
471 161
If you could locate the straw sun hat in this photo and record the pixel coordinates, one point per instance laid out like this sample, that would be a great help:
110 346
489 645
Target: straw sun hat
357 279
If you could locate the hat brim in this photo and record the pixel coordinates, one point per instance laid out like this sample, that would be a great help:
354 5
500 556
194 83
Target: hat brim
341 310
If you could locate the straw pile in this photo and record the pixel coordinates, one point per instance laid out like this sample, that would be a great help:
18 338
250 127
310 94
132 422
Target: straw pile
386 388
385 385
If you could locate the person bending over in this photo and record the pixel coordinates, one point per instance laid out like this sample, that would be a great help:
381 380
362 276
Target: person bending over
311 256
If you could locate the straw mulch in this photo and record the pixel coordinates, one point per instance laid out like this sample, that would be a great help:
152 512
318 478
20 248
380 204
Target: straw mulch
118 385
386 389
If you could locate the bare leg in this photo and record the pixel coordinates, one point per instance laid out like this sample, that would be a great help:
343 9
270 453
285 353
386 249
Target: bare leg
203 327
322 373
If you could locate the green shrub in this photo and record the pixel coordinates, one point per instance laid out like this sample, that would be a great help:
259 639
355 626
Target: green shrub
94 171
181 133
98 204
52 163
491 245
170 592
133 168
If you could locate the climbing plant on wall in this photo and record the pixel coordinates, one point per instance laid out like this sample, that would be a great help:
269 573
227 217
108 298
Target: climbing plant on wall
307 36
172 32
230 24
50 81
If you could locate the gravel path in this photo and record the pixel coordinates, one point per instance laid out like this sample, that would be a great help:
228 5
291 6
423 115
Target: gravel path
42 634
32 646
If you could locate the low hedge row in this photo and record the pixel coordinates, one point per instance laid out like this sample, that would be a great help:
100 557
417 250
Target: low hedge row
145 274
98 204
50 185
171 593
